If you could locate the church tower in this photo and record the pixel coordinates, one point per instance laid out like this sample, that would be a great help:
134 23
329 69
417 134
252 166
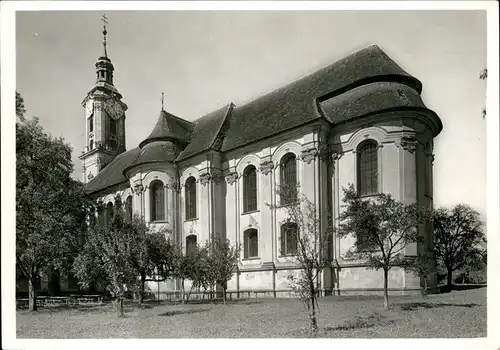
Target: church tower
104 118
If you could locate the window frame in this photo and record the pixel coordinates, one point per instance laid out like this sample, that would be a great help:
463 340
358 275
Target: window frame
248 252
284 239
250 190
367 168
286 176
156 188
128 208
191 244
190 199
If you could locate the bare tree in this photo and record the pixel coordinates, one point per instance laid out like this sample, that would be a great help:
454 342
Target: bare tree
383 227
309 244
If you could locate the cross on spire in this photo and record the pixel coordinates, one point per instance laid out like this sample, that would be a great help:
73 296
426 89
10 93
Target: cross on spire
104 20
162 100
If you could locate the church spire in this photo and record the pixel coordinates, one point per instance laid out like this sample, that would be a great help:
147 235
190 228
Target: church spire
104 20
104 67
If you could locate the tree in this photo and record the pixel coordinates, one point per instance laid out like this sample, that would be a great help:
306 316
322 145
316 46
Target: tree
50 206
423 266
458 235
20 109
222 262
313 251
383 228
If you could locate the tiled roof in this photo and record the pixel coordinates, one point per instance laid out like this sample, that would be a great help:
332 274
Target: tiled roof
170 127
362 83
294 104
112 174
206 130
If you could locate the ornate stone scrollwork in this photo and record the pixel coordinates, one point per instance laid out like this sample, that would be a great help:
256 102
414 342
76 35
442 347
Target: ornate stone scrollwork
232 177
266 167
309 154
409 143
138 189
205 178
324 153
174 185
336 156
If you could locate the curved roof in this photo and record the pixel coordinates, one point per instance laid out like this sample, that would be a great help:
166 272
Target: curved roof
294 104
112 174
370 98
170 127
154 152
363 83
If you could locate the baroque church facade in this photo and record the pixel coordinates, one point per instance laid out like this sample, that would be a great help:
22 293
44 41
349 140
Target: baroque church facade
360 120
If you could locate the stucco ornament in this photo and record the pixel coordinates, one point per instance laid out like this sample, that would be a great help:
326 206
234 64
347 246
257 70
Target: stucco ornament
205 178
113 107
138 189
409 143
232 177
266 167
174 185
309 154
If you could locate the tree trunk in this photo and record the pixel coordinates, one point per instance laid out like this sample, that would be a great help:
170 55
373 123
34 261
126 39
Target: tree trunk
224 294
449 279
424 291
386 292
143 288
312 310
121 307
182 291
32 295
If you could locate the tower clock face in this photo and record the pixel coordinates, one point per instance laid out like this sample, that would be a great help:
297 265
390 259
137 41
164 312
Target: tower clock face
89 108
113 108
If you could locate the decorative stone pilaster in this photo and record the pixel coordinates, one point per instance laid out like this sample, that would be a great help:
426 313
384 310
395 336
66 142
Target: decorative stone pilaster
266 167
205 179
409 143
174 185
309 154
231 177
138 189
324 153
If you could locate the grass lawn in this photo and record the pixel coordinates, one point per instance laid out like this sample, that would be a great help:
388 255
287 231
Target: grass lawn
455 314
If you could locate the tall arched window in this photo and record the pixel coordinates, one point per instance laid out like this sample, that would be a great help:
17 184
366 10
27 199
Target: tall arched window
91 123
191 242
249 189
367 168
251 243
112 126
109 213
128 208
288 178
190 198
157 197
289 236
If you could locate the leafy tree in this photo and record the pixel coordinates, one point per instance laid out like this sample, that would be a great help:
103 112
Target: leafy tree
20 109
458 236
384 226
423 266
182 266
50 206
222 262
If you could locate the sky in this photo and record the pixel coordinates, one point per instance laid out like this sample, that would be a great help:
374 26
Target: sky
202 60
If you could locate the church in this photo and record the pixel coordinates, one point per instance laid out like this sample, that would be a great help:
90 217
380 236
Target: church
360 120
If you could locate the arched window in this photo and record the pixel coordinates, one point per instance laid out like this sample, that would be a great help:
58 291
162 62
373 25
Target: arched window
288 178
191 243
157 198
109 213
251 243
249 189
289 236
190 198
128 208
91 123
367 168
112 143
91 144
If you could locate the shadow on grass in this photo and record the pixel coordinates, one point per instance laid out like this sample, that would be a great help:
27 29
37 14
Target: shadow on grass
446 289
182 312
361 322
423 305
